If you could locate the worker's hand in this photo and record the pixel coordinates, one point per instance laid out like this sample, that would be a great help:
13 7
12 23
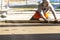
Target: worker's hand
46 21
56 21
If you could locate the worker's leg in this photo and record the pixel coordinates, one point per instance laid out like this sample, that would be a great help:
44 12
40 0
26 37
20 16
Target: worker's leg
36 16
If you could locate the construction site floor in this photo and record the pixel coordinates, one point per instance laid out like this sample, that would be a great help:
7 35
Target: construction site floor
29 31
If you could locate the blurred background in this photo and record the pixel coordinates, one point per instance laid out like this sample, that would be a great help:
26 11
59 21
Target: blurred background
26 4
24 8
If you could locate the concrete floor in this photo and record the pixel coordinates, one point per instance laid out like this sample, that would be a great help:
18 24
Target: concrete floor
29 32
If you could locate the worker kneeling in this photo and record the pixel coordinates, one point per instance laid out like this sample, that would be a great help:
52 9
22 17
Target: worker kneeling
44 9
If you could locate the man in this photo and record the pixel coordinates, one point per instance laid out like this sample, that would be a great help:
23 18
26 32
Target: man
44 7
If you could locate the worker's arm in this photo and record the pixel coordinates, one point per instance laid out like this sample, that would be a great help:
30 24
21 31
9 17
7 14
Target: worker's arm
53 12
41 12
42 15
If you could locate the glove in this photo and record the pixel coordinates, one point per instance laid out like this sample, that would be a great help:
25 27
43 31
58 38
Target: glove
56 21
46 21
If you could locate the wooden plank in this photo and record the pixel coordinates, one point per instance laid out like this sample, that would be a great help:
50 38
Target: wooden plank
27 24
29 30
28 21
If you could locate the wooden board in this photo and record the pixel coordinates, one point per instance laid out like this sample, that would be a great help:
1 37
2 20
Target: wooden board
29 30
28 21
